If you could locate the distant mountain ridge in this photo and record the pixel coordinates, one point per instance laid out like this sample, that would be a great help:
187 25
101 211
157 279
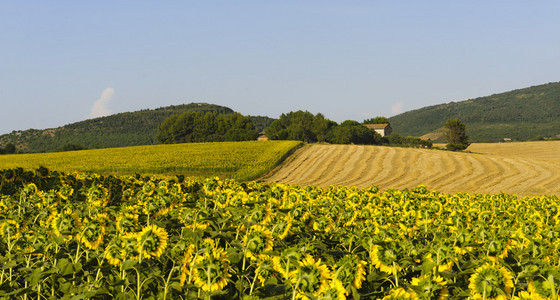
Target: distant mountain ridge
118 130
524 114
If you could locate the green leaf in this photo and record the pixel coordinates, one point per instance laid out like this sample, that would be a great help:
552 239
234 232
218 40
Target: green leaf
129 264
176 286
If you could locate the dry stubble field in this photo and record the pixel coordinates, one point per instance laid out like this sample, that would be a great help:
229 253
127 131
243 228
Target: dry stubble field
525 169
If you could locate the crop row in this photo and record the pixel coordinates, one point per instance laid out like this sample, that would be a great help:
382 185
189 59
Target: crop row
89 236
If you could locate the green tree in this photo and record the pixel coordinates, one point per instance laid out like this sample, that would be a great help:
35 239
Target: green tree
455 133
352 132
10 148
377 120
300 126
192 127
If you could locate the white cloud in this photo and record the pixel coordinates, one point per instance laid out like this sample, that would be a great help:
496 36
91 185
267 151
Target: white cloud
99 108
397 108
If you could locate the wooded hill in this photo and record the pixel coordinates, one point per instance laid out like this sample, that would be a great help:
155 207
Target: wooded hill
118 130
525 114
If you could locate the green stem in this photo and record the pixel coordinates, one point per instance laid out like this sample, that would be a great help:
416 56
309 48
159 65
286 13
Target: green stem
396 276
254 280
166 286
552 287
207 296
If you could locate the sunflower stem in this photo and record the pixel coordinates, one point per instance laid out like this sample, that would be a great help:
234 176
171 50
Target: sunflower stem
396 276
254 280
166 287
209 282
425 222
552 287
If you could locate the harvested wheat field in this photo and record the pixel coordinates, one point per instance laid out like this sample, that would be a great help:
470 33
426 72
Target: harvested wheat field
525 169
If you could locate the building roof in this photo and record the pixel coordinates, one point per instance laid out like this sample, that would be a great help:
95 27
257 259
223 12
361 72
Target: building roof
376 126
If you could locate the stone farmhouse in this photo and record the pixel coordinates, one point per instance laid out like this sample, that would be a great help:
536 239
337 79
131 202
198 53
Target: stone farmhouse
382 129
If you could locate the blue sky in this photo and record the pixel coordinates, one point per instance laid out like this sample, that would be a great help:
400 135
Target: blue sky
66 61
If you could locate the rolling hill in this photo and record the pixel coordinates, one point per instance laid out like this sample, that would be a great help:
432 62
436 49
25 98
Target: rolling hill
520 115
118 130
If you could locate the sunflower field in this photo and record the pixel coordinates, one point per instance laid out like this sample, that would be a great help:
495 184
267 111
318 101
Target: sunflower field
75 236
239 160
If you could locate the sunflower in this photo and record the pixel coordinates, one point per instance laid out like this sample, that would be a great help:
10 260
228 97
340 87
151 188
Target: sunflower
491 281
126 222
497 248
187 264
311 277
287 261
445 265
260 215
65 191
351 271
129 246
524 295
430 285
399 294
9 229
97 196
541 289
265 269
148 188
257 241
385 259
9 175
211 270
335 291
282 228
114 252
323 224
66 223
152 241
92 233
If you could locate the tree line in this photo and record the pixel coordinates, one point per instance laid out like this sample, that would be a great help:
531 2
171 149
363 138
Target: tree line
300 125
197 126
304 126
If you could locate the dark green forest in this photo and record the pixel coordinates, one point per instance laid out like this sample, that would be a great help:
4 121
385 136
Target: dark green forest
118 130
198 126
526 114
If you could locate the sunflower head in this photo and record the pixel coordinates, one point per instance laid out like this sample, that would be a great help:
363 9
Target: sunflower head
114 252
335 291
400 294
351 270
257 241
211 269
311 277
385 258
66 223
92 233
429 284
9 229
491 281
9 175
545 285
152 241
129 246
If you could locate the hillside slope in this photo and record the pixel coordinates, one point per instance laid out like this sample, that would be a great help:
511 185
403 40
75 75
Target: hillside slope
523 114
118 130
505 170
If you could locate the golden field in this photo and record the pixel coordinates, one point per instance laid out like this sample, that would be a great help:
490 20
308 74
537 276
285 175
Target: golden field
240 160
525 169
